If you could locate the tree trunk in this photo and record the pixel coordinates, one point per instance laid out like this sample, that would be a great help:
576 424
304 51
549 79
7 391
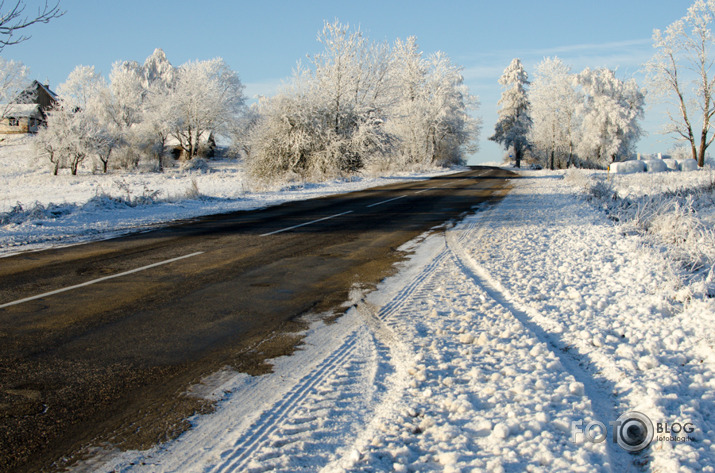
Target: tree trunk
517 155
552 160
701 151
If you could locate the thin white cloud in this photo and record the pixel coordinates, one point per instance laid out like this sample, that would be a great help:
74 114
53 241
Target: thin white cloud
266 88
590 47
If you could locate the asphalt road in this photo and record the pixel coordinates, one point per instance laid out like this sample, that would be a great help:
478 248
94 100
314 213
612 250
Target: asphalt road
98 342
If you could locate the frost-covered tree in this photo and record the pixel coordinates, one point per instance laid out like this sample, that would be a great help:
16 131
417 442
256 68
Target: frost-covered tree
512 127
13 81
207 97
611 113
82 88
347 82
430 114
331 114
359 104
554 98
451 129
126 82
68 139
282 142
681 71
131 117
159 79
408 112
77 127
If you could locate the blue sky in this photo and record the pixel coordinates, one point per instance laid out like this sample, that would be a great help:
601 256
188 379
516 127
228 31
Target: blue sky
263 40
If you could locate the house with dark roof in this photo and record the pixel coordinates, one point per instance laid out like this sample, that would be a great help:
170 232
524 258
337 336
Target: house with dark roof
28 111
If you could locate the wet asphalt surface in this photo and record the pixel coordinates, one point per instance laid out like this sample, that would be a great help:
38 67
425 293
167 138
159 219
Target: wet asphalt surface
99 342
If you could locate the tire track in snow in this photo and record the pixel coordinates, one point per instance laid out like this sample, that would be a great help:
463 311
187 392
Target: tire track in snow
323 415
259 434
418 282
598 390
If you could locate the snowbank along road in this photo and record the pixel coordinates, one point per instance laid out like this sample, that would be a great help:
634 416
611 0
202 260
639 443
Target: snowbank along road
99 342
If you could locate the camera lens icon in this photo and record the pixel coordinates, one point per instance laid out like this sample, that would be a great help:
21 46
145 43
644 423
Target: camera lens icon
634 431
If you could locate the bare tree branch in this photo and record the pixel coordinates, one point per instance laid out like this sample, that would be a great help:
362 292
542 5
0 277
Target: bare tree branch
14 20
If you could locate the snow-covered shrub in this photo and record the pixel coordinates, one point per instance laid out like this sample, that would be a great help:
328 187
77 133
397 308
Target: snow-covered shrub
192 192
19 214
122 193
196 164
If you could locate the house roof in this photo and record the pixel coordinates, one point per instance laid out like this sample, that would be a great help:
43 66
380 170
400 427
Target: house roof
21 110
29 95
46 88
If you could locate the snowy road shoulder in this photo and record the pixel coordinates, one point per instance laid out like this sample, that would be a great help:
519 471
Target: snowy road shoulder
491 350
610 302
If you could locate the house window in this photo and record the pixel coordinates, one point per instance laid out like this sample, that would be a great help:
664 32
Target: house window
12 121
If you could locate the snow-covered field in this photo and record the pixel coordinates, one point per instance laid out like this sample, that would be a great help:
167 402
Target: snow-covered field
493 349
39 210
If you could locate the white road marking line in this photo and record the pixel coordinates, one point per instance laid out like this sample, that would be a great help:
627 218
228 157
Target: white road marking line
306 223
425 190
386 201
94 281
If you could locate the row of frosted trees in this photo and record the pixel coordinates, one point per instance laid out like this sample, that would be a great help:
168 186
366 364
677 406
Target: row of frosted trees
361 105
356 106
563 119
141 110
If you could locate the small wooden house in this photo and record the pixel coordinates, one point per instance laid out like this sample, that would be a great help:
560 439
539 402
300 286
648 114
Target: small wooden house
28 111
21 118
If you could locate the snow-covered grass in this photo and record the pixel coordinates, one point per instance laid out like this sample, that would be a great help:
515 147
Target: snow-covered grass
38 209
675 212
490 351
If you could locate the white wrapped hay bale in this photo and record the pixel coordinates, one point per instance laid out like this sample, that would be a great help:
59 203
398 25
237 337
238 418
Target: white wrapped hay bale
672 164
655 165
688 164
627 167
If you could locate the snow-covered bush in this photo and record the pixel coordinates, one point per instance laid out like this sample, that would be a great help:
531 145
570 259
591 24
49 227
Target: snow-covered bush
196 164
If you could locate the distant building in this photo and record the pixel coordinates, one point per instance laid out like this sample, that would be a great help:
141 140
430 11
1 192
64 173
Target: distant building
28 111
207 147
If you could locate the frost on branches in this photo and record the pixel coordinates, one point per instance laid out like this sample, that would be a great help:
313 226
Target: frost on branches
590 119
554 98
135 115
13 81
610 113
361 105
512 127
680 72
